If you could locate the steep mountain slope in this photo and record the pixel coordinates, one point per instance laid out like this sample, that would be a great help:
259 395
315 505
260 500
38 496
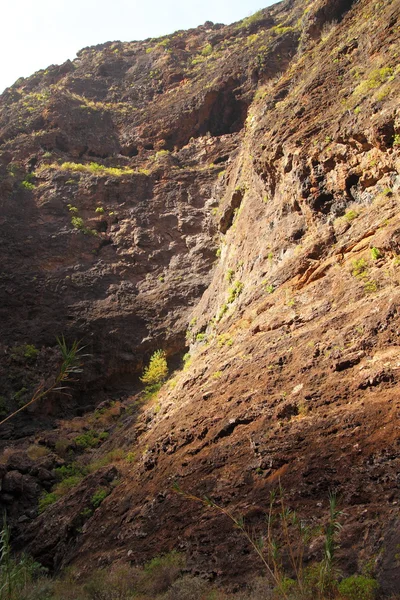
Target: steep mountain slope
244 202
117 251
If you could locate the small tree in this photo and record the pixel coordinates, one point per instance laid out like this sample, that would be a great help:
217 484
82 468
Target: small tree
156 373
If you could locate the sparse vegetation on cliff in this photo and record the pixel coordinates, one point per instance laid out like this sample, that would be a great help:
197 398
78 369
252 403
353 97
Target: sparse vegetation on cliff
155 373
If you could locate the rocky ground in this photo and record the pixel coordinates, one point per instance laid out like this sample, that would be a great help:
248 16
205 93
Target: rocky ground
230 192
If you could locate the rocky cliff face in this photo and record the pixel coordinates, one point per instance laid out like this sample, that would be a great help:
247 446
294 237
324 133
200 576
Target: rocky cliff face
231 190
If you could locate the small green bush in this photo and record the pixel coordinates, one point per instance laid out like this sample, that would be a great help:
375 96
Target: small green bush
370 286
27 185
71 470
47 499
131 457
24 352
376 78
351 215
207 50
86 513
161 153
269 288
77 222
222 311
157 372
95 167
235 291
358 587
90 439
230 275
359 268
257 16
67 484
98 497
375 253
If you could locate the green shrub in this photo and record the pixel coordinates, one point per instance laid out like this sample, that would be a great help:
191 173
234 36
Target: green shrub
46 500
269 288
71 470
222 311
358 587
25 351
235 291
161 153
224 340
207 50
99 210
370 286
375 253
90 439
376 78
350 215
67 484
131 457
187 359
257 16
359 268
98 497
77 222
71 166
27 185
95 167
156 373
230 275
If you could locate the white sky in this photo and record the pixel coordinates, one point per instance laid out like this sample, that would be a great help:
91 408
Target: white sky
38 33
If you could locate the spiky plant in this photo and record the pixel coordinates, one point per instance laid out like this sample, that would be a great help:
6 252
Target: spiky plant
69 367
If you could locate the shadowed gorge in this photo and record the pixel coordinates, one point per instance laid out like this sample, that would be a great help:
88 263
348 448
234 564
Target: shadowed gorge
228 195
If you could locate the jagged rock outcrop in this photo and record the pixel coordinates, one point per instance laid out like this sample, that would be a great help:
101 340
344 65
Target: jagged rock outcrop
277 142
